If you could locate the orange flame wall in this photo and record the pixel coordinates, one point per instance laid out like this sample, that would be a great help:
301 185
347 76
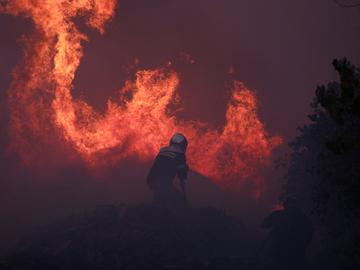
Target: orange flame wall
42 105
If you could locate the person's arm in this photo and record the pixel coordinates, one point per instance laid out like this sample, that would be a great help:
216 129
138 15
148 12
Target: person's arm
182 172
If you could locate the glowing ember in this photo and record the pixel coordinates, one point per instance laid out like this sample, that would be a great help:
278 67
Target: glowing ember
42 104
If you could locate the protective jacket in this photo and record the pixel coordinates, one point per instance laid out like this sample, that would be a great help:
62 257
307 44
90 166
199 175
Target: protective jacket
169 163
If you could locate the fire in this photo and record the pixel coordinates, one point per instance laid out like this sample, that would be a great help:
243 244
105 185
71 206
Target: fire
42 105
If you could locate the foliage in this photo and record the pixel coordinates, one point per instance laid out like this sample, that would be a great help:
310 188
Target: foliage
134 237
324 167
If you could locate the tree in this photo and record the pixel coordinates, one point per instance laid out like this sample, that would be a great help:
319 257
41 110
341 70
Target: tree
324 167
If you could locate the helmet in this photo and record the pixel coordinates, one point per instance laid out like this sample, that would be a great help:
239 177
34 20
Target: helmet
179 140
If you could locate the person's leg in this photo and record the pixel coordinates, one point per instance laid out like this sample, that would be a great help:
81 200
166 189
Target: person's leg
177 198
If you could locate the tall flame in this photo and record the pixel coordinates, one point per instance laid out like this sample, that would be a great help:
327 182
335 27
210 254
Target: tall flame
42 104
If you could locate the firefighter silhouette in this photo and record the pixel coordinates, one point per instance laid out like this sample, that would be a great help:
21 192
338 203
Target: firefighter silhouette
169 164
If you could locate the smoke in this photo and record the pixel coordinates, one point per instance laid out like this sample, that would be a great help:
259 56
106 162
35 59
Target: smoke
44 113
62 155
265 44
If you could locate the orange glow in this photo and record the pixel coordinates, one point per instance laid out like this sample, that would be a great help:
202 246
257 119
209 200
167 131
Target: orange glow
278 207
42 104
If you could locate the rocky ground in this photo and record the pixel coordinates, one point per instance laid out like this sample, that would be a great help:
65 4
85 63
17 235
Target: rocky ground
135 237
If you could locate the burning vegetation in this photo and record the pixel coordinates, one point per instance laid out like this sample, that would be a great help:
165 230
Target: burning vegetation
44 113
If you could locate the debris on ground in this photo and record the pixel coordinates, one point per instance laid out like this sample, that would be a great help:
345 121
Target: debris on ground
135 237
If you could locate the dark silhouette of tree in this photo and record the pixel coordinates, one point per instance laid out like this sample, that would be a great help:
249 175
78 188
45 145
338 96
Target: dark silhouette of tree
324 168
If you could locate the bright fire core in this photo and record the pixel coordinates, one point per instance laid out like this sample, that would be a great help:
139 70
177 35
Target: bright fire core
43 108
